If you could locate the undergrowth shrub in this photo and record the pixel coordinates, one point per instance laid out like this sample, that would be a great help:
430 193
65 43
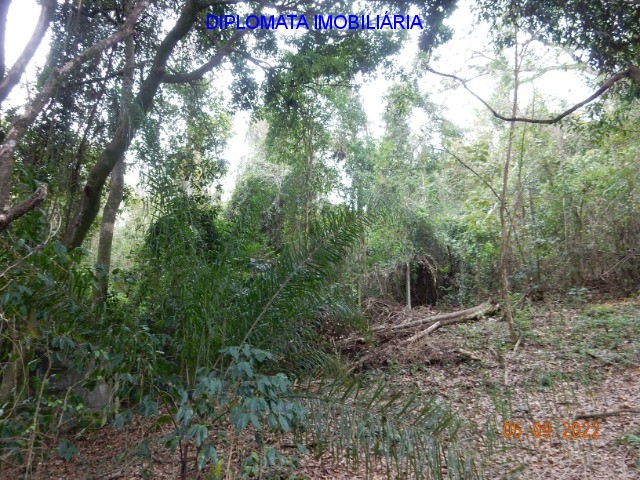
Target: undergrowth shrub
239 396
363 421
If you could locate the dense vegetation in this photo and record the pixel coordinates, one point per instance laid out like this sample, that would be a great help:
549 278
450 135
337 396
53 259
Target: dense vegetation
164 303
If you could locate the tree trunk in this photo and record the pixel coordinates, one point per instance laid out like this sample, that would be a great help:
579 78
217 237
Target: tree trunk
362 265
505 230
117 178
408 280
116 188
536 242
307 184
4 10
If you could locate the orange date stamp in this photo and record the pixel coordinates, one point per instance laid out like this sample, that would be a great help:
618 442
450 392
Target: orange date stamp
545 430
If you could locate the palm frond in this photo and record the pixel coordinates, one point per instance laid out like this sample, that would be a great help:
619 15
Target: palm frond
279 307
366 421
280 301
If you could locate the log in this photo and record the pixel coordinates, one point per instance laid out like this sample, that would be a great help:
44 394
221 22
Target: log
386 332
444 318
612 413
475 313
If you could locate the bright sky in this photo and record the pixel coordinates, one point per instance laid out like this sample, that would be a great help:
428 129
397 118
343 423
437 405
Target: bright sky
22 18
467 48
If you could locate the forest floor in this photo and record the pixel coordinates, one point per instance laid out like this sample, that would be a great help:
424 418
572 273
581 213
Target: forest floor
583 359
574 361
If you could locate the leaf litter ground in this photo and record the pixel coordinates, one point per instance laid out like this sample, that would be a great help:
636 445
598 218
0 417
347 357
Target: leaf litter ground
580 360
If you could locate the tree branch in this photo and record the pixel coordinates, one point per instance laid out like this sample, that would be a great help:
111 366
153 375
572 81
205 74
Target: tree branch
215 60
631 72
19 126
553 68
256 61
13 75
19 210
117 73
4 10
472 170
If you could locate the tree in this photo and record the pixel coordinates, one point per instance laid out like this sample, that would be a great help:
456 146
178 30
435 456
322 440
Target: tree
164 61
505 228
116 187
18 127
298 115
606 32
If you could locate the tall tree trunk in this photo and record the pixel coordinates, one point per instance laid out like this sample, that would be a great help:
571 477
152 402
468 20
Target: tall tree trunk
536 241
116 188
505 229
117 176
408 280
307 184
362 249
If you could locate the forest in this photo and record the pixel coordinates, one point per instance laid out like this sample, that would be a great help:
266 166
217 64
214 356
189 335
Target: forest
238 240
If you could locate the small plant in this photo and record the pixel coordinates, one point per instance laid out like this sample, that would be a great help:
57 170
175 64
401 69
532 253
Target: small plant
248 400
633 439
522 318
579 295
606 329
546 381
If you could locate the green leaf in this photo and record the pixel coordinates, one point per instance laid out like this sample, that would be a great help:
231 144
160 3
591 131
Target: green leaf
208 453
66 449
198 433
284 423
149 407
184 414
270 457
60 249
241 370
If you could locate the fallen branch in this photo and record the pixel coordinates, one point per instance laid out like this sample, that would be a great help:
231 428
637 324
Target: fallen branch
475 313
443 319
611 413
343 343
515 349
387 332
469 355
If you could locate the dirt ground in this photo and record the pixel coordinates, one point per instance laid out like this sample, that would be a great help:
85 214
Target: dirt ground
582 360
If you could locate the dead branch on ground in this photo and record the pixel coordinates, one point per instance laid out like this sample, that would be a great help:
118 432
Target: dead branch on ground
399 333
